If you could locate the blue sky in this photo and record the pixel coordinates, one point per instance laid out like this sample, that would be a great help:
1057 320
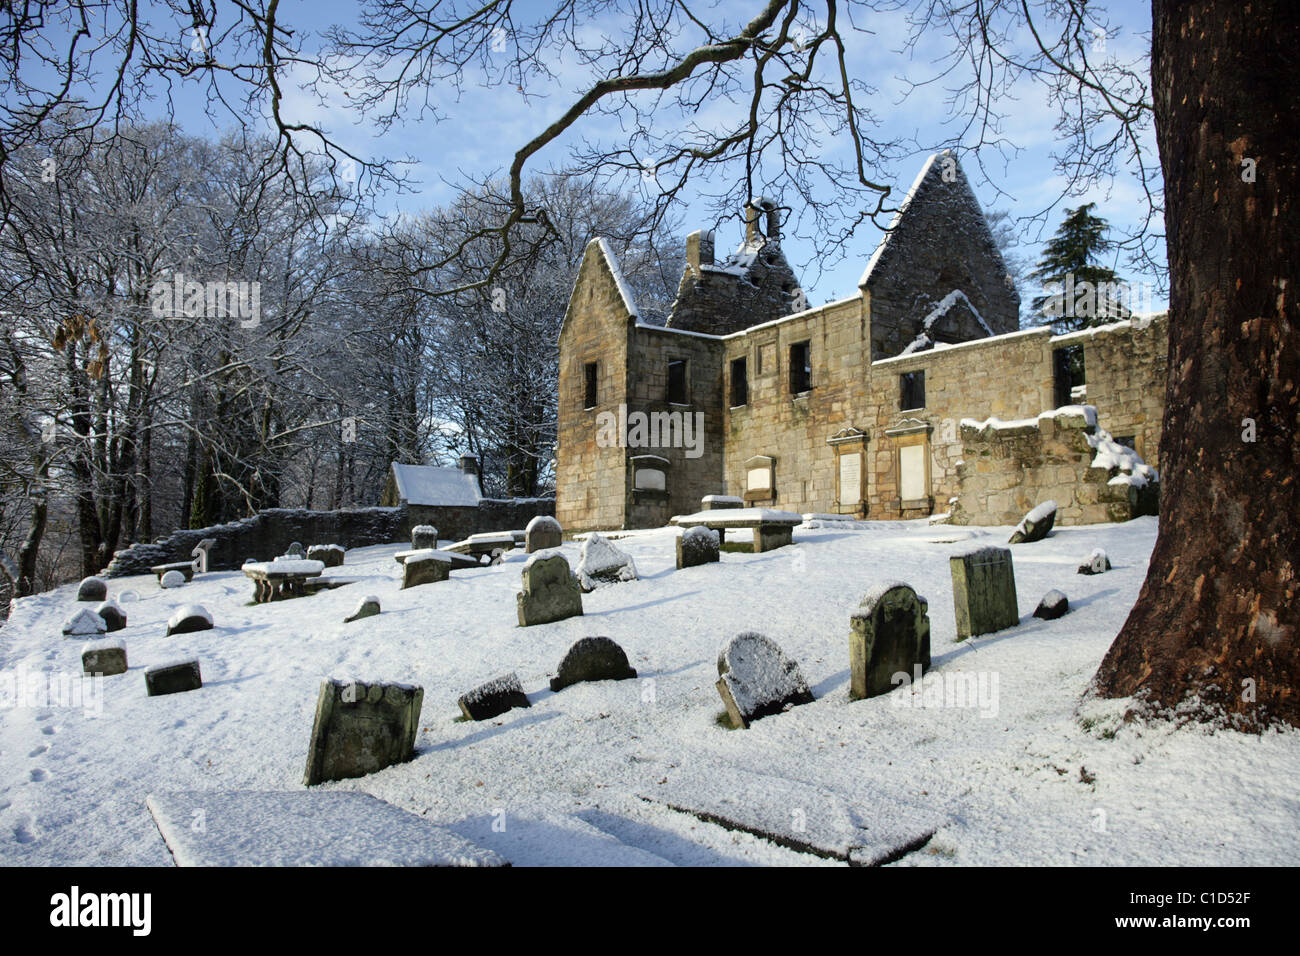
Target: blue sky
481 127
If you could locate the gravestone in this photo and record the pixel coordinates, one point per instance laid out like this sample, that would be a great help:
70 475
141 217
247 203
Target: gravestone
425 567
368 607
493 698
983 591
592 659
1035 525
330 555
92 589
550 592
160 679
1053 605
114 617
543 532
295 551
360 728
600 563
424 536
200 554
889 633
172 579
106 656
1097 563
695 546
84 623
189 619
756 679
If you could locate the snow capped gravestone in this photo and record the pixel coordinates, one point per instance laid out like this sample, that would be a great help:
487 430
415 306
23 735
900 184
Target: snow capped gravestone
106 656
983 591
114 617
425 567
543 532
1035 525
696 545
493 698
368 607
424 536
172 579
160 679
592 659
889 634
188 619
756 679
1097 563
294 551
330 555
92 589
361 728
200 554
84 624
1053 605
601 563
550 592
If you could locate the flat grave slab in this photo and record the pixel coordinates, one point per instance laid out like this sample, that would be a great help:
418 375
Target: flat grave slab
299 828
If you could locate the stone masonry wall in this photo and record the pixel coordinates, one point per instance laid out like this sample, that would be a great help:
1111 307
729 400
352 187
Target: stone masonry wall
264 536
1007 470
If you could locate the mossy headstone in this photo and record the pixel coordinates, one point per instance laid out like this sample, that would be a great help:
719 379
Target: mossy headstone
983 591
888 634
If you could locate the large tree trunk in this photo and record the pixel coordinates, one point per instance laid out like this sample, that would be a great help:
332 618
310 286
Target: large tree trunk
1218 617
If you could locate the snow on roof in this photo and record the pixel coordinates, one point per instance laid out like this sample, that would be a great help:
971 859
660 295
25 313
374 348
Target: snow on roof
617 273
434 485
924 339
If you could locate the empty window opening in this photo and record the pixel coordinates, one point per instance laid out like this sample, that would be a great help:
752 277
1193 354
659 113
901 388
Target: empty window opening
912 387
739 383
589 401
800 368
677 383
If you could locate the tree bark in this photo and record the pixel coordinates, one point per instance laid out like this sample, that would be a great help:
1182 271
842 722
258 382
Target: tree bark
1218 617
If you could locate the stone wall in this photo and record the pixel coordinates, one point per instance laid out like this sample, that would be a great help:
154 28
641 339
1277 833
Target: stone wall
264 536
1008 469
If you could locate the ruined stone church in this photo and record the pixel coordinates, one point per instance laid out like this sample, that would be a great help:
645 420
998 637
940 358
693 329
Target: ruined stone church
855 407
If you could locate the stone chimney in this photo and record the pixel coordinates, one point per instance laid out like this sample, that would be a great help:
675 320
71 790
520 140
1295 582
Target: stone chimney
751 224
469 464
699 250
753 209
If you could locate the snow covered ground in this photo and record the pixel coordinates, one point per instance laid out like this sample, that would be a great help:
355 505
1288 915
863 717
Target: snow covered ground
1025 777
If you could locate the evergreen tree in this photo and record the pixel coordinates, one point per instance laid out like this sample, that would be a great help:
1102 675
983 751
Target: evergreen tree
1079 292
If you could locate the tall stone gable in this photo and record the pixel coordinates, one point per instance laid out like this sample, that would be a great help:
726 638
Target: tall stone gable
590 480
938 244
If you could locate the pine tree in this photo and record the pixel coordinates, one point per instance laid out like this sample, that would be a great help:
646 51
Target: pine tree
1080 292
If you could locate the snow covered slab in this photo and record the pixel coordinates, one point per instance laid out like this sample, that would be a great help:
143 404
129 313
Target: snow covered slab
740 517
299 828
877 827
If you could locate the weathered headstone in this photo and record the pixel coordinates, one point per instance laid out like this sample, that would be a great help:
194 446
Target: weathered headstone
1053 605
425 567
84 623
600 562
172 579
200 554
330 555
295 550
114 617
92 589
188 619
361 728
696 545
889 633
424 536
550 592
983 591
592 659
175 678
493 698
756 679
106 656
368 607
543 532
1097 563
1035 525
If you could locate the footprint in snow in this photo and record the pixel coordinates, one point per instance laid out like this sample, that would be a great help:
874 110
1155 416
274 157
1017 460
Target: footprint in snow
24 833
39 750
38 775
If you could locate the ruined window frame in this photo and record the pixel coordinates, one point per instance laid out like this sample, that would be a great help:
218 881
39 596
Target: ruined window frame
743 363
685 382
909 384
803 375
591 374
